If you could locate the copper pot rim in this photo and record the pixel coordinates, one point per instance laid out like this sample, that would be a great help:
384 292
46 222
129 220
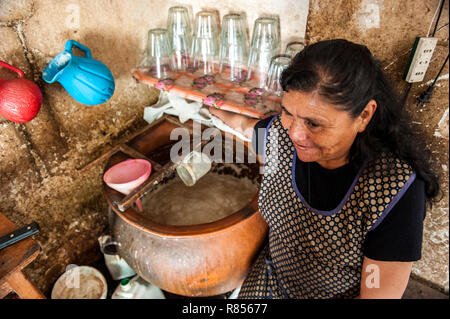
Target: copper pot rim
143 223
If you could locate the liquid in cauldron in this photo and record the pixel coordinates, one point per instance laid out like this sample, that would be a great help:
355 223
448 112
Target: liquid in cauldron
213 197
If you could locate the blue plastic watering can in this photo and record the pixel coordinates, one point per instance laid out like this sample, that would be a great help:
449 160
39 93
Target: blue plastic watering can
87 80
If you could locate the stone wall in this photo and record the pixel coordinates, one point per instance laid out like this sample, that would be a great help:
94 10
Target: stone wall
40 160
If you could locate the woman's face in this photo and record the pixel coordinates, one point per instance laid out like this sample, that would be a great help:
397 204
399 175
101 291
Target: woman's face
320 131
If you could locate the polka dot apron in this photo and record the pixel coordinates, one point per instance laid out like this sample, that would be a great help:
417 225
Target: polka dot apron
312 253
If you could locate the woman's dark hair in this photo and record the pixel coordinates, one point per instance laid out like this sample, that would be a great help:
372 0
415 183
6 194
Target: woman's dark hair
349 76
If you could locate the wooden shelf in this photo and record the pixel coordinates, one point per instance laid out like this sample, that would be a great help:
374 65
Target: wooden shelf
242 98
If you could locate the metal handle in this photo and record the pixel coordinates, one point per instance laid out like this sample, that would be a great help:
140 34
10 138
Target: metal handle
8 66
19 234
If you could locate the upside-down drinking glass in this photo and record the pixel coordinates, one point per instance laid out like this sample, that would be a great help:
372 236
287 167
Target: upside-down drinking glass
205 45
265 44
292 48
160 56
233 52
179 27
277 65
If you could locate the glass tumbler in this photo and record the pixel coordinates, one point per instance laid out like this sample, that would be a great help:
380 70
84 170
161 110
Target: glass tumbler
193 167
160 54
264 45
292 48
179 27
205 43
277 65
233 52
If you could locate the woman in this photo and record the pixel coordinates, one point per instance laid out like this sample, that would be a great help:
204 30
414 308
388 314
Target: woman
345 181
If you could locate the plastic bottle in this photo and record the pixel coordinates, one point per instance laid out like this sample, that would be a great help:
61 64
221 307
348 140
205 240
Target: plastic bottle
123 291
137 288
117 266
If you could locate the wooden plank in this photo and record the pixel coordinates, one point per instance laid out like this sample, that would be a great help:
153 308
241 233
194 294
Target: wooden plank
21 284
5 289
269 103
135 154
153 180
140 191
179 124
15 257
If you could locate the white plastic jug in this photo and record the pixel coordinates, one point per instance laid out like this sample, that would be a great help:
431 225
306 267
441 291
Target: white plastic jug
117 266
137 288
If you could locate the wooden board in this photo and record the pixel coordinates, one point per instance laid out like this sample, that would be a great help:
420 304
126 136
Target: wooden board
213 90
17 256
13 259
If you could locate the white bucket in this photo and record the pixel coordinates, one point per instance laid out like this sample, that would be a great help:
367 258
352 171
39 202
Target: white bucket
80 282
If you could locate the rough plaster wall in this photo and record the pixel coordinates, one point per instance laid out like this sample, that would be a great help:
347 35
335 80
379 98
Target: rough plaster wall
388 28
39 179
39 160
292 14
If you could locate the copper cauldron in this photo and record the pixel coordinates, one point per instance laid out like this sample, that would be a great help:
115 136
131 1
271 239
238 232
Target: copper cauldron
199 260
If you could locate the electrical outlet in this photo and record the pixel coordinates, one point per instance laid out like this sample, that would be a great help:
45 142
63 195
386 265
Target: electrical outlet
419 60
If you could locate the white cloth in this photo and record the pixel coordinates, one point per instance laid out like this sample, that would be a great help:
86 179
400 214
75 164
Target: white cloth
178 106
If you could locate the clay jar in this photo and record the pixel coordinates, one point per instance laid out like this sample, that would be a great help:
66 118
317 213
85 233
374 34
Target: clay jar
198 260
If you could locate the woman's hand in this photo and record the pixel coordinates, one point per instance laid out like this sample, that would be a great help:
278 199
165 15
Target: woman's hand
238 122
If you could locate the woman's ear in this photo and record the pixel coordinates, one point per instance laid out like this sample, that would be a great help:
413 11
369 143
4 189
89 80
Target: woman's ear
366 115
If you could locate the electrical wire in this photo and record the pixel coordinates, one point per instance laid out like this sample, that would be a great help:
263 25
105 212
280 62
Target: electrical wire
439 73
426 96
405 97
438 17
445 25
431 23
